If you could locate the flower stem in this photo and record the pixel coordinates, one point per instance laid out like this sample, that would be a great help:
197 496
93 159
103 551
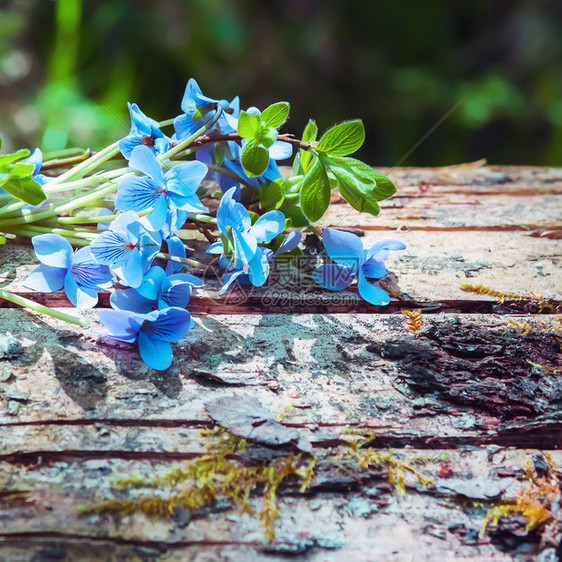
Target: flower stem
185 261
88 165
186 142
21 301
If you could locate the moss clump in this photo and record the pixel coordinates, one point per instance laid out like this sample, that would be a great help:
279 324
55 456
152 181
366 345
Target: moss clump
534 503
396 468
219 473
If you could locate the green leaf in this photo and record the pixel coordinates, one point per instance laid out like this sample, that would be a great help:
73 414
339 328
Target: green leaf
8 158
359 195
342 139
315 192
248 125
364 173
267 136
254 158
26 189
310 131
271 196
292 210
275 115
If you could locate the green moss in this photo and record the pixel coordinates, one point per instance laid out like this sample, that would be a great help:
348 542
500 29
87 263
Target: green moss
214 475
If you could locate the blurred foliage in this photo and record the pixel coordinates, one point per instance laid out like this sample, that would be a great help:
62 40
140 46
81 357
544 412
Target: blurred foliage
487 73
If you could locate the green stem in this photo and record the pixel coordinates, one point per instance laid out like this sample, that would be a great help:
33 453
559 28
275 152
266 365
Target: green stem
186 142
202 218
314 231
88 165
90 180
21 301
228 173
86 220
185 261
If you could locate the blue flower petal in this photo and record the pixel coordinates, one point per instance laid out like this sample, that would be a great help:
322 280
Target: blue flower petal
185 127
371 293
228 279
384 245
280 150
53 250
184 179
233 214
268 226
176 248
343 247
122 325
258 268
177 294
151 285
292 240
157 216
109 247
131 271
156 354
245 246
215 248
186 278
144 160
128 144
188 203
45 279
374 269
88 272
129 299
333 276
142 123
171 324
137 194
80 297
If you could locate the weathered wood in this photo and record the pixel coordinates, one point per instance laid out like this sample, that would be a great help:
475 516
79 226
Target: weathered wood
482 385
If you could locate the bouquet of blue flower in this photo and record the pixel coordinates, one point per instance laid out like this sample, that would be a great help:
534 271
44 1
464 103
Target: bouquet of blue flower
126 221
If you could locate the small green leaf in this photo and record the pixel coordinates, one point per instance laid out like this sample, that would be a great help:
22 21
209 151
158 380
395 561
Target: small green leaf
26 189
342 139
315 192
248 125
310 131
9 158
271 196
254 158
267 136
359 195
364 173
275 115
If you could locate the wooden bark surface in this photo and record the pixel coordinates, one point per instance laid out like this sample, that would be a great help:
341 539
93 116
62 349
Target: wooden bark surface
77 410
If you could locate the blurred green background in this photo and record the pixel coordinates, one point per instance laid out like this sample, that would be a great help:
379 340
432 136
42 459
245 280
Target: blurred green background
488 72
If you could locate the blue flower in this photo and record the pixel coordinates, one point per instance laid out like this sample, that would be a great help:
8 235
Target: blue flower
242 238
78 272
175 219
291 241
144 132
158 191
128 246
157 290
198 109
153 332
353 261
